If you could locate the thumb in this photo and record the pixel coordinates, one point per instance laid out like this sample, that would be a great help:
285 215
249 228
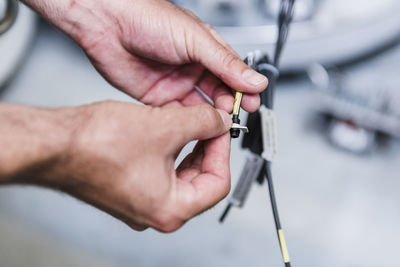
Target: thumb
226 65
201 122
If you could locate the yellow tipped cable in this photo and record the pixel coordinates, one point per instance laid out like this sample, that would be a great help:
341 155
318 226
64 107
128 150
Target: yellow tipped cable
274 206
282 242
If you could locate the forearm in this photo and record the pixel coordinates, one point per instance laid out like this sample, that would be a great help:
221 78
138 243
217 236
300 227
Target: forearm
32 140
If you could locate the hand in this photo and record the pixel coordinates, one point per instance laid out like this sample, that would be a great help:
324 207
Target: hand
121 159
156 51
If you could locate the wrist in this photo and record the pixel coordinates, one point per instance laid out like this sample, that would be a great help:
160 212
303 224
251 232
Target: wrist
36 141
67 124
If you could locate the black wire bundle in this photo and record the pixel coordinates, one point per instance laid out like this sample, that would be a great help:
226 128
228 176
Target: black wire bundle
284 20
267 99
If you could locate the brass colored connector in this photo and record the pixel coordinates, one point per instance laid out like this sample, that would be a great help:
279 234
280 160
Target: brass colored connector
236 127
237 103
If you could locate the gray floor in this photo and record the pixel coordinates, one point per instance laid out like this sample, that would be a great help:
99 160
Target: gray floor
337 209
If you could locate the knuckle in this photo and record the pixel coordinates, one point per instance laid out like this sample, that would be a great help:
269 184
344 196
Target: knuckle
210 115
213 31
207 112
170 217
190 13
162 131
168 223
230 60
208 26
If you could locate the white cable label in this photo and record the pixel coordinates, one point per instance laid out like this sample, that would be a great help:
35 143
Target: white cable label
269 133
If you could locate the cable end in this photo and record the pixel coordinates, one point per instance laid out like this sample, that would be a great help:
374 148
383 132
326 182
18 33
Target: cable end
226 211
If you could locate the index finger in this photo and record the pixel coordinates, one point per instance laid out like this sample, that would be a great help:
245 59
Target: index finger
225 64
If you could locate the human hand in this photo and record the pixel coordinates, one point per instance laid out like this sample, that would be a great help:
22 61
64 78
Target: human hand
121 159
156 51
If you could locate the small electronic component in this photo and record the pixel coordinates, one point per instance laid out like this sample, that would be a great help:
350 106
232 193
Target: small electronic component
236 127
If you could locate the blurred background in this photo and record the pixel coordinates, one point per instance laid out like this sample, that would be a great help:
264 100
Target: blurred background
337 176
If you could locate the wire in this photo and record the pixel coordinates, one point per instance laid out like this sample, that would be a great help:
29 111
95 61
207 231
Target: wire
278 226
285 18
284 21
226 211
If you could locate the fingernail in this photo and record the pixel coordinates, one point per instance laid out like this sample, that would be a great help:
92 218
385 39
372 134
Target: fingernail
253 77
225 118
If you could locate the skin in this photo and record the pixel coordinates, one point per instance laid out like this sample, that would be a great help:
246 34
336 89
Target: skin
126 168
155 51
120 157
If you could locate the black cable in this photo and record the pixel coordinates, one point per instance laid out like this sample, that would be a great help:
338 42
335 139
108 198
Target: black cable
278 226
285 18
268 177
226 211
